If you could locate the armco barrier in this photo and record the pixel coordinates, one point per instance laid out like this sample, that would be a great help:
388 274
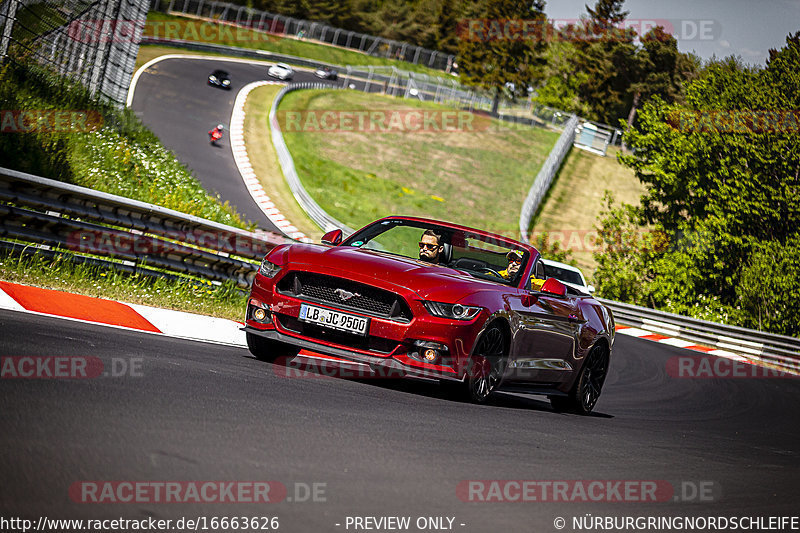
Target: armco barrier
238 51
312 209
778 350
545 177
51 213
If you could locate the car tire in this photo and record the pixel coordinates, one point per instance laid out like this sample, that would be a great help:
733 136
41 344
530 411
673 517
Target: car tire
267 349
485 369
586 391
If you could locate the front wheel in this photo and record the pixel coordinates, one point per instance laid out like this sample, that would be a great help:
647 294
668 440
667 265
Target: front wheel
267 349
485 370
584 395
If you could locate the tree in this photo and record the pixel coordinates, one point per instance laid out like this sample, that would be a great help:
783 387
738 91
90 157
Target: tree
723 178
661 70
607 57
561 81
500 54
607 13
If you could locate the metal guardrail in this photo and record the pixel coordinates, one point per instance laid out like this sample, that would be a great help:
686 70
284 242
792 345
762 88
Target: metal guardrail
51 213
778 350
545 177
238 51
141 235
312 209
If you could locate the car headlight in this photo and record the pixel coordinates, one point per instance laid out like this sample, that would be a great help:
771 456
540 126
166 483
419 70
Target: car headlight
212 78
226 82
268 268
454 311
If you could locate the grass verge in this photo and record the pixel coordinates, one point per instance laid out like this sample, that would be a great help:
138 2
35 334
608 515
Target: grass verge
202 297
572 206
201 30
477 175
264 160
152 51
96 146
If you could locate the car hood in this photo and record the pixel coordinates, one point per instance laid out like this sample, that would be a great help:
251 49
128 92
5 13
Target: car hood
428 282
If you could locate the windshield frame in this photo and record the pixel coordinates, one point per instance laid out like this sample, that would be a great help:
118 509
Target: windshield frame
448 230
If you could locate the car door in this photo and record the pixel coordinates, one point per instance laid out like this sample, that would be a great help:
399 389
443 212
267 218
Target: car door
544 343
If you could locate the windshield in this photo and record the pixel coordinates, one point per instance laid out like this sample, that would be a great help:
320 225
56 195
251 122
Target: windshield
563 274
483 256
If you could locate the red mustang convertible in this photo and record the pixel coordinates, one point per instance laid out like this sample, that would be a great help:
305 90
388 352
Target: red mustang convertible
436 300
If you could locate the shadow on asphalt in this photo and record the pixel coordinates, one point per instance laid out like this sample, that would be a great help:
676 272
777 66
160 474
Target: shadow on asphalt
423 387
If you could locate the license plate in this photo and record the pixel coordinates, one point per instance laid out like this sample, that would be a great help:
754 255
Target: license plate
334 319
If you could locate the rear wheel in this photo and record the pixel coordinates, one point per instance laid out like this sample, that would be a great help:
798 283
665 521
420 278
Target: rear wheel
268 350
586 391
486 368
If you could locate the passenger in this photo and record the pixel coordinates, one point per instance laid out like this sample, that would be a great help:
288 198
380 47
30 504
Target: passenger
430 247
514 262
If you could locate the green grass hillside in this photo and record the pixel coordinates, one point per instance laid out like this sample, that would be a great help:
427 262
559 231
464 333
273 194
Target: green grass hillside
575 200
477 175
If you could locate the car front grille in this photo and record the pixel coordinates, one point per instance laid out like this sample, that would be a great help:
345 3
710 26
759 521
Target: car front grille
345 294
347 340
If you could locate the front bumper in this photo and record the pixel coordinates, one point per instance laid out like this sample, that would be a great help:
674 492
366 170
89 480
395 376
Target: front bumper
393 344
406 366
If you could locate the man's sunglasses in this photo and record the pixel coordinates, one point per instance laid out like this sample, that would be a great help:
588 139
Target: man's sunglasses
515 260
428 246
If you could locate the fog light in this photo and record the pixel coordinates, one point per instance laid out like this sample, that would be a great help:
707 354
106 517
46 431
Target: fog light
430 355
259 314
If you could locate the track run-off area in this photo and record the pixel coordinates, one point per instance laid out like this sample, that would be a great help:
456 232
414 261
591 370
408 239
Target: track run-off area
319 452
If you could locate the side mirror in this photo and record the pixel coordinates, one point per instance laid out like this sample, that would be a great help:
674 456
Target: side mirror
591 289
333 237
554 287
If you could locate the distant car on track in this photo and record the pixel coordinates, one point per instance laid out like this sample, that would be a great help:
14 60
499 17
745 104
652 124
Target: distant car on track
282 71
371 299
220 78
326 73
567 274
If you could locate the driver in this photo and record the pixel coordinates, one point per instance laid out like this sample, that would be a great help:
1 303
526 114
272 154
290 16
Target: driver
430 247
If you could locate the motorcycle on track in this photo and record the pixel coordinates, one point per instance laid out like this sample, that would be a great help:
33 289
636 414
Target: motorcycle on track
215 134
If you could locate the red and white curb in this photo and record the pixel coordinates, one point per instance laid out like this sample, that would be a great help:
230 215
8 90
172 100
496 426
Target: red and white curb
246 169
122 315
191 326
142 318
679 343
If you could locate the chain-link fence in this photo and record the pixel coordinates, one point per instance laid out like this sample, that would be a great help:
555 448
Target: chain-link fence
450 92
306 29
92 41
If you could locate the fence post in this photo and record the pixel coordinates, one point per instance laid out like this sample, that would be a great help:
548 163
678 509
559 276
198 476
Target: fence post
10 9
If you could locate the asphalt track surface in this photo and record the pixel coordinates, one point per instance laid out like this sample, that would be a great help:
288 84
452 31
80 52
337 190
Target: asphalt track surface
174 100
197 411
